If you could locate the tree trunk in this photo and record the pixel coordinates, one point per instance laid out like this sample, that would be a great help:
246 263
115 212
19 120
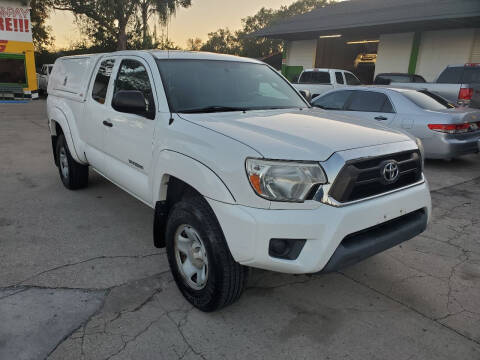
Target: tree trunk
122 35
145 23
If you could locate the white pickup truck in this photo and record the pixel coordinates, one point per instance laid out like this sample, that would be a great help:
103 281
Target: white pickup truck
318 81
43 76
459 84
240 170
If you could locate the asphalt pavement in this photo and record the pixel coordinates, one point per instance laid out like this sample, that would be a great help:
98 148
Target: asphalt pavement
80 278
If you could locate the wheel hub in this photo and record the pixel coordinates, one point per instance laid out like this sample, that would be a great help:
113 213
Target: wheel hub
63 160
191 257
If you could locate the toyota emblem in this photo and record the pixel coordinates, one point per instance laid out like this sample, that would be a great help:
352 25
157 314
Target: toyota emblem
391 172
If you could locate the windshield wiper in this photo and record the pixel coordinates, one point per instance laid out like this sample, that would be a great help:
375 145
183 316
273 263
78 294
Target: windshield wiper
212 109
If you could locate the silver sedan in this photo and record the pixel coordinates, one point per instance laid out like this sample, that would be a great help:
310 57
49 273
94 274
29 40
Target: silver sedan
445 130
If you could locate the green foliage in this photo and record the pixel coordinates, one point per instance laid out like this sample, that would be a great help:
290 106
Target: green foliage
194 44
119 23
41 33
240 43
222 41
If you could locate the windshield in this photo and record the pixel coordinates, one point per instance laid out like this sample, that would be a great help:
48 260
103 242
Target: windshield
195 86
428 101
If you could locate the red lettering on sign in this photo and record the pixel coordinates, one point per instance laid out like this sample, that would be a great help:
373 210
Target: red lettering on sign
14 19
25 13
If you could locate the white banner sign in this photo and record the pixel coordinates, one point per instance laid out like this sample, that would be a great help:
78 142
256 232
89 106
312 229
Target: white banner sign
15 24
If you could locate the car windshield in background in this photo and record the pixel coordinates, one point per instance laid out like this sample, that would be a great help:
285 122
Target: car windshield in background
196 86
427 100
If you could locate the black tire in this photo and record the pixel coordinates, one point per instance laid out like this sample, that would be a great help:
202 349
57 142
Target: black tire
226 278
77 176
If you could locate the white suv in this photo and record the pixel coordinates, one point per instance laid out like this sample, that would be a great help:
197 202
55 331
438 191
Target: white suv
240 170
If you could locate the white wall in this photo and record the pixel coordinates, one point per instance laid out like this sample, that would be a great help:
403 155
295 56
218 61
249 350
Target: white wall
302 53
441 48
394 53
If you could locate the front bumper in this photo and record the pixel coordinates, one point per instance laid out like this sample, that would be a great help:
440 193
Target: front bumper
447 146
248 231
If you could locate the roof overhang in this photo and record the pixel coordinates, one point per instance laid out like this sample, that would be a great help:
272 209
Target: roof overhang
358 19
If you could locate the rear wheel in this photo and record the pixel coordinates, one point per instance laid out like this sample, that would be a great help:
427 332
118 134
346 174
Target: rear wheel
73 174
199 258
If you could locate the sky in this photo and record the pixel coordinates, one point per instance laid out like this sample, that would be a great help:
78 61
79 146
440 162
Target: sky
202 17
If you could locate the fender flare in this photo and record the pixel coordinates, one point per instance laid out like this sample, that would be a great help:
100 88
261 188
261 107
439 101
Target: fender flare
56 115
191 171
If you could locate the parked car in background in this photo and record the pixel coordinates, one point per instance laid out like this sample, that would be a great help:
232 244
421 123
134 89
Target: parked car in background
43 76
389 78
445 130
317 81
239 176
459 84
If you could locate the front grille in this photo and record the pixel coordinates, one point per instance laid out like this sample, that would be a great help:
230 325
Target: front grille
363 178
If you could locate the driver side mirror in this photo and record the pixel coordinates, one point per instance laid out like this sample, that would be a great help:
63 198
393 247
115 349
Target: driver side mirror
133 102
307 95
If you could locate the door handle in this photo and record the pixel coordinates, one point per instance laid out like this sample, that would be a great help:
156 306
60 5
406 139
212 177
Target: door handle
107 123
381 118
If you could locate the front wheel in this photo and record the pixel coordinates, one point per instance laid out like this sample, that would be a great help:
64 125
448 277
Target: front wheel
199 258
73 174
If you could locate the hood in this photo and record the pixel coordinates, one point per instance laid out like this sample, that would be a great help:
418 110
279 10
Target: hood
309 134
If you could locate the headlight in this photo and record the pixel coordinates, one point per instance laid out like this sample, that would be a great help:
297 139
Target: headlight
422 150
284 180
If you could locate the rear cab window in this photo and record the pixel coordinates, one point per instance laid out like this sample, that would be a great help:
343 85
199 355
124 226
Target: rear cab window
451 75
471 75
315 77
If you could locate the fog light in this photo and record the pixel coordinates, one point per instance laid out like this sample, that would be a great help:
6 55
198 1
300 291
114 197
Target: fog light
288 249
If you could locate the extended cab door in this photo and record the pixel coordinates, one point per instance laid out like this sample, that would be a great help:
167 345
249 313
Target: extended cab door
129 137
97 111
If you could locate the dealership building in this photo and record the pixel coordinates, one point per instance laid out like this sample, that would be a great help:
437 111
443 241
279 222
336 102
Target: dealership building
18 78
376 36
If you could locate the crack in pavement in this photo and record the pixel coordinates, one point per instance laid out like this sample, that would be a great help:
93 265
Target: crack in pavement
135 337
409 307
179 327
98 311
83 262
